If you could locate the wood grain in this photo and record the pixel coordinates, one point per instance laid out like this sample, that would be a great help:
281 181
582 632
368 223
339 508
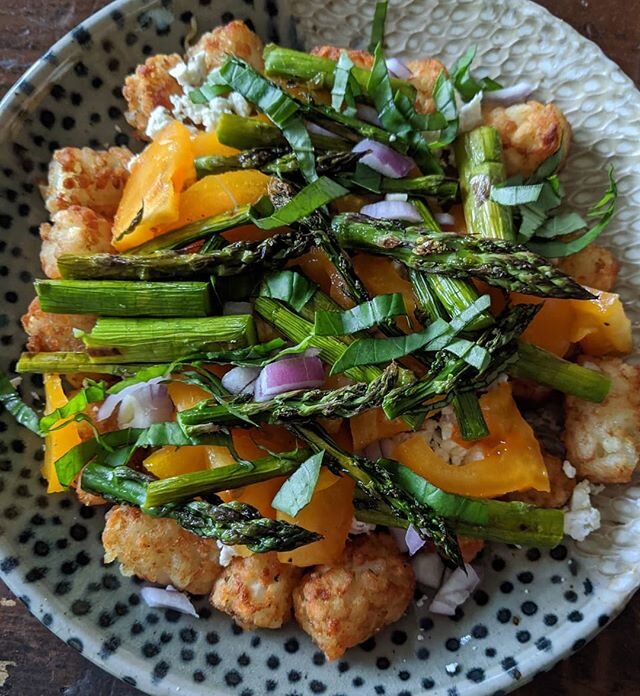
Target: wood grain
33 662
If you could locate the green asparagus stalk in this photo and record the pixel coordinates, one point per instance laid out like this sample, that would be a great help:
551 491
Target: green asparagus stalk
498 262
200 229
374 479
480 166
428 185
248 133
73 363
164 340
187 486
317 72
296 406
545 368
233 259
124 298
232 523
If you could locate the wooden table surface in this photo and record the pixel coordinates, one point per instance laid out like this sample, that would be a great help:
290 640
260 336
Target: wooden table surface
33 662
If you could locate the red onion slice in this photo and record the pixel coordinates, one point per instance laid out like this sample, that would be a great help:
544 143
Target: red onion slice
392 210
241 380
140 405
398 69
397 197
470 114
445 219
413 540
237 308
373 451
369 114
429 569
169 598
515 94
455 590
319 130
289 374
383 159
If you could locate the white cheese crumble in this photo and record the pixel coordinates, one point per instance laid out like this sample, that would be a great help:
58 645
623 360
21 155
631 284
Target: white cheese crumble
158 119
581 518
226 553
358 527
569 469
451 668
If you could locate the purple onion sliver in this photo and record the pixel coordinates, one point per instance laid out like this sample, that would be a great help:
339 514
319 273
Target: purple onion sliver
515 94
392 210
413 540
383 159
369 114
158 598
289 374
445 219
429 569
398 69
241 380
319 130
455 590
112 400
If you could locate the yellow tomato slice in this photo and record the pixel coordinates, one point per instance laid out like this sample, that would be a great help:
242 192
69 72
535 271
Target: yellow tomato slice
601 325
172 461
58 442
372 425
185 395
203 144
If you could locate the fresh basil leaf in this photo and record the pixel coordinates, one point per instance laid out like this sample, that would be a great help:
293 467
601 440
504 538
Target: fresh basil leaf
371 351
76 404
296 492
560 225
548 167
445 100
345 88
602 211
361 317
366 178
293 288
11 400
466 84
207 92
531 219
472 354
380 91
377 28
516 195
278 106
470 313
419 122
310 198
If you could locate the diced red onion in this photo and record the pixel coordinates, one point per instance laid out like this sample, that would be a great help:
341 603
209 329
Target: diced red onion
429 569
237 308
289 374
470 114
445 219
392 210
413 540
383 159
369 114
373 451
398 536
398 69
389 445
319 130
397 197
455 590
515 94
140 405
169 598
241 380
312 352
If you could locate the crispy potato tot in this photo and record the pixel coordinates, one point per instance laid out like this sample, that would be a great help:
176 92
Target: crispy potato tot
256 591
343 604
234 39
530 133
561 487
75 230
80 176
159 550
603 440
425 73
54 332
149 87
594 266
361 59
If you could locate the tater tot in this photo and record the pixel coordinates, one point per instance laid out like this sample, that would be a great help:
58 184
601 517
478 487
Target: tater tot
425 73
159 550
149 87
343 604
594 266
75 230
361 59
54 332
530 133
80 176
603 440
234 39
256 591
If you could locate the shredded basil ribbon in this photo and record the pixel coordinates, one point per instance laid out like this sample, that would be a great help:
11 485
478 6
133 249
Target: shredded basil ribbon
377 28
279 107
310 198
345 88
290 287
361 317
11 400
296 492
78 403
466 84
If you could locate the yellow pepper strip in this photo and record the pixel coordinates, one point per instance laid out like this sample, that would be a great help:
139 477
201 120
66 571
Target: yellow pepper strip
203 144
185 396
172 461
329 513
601 325
58 442
512 458
372 425
150 203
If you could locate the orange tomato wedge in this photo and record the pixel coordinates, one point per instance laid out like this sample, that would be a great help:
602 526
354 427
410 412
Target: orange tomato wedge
150 200
172 461
329 513
203 144
601 325
372 425
185 395
58 442
511 457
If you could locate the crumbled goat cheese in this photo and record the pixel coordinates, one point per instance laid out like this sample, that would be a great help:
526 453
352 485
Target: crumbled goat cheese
451 668
569 469
581 518
226 553
158 119
192 74
469 113
358 527
239 104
